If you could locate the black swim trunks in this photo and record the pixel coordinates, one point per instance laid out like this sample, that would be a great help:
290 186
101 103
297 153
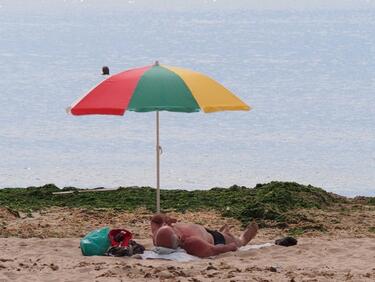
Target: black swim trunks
218 237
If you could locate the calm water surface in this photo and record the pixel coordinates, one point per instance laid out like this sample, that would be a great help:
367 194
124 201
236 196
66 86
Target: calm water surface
309 75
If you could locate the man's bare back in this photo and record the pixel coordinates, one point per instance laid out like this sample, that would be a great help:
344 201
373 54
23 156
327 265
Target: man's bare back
195 239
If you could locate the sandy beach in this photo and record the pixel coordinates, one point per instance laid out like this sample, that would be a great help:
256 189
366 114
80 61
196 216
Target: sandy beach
215 112
44 246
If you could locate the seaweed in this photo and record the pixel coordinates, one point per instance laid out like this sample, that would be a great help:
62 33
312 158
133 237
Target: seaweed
276 201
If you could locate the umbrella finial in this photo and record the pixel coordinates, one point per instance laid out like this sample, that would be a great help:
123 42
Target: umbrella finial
156 63
105 70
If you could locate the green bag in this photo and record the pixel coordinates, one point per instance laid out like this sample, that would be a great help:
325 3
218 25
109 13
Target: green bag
96 243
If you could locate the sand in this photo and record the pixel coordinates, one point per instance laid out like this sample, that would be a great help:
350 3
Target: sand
45 247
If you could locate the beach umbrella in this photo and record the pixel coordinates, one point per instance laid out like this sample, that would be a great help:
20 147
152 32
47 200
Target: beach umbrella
157 88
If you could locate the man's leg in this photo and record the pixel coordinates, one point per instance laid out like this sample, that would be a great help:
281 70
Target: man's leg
248 234
198 247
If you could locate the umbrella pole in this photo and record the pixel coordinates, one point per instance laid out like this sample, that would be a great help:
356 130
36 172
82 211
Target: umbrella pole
157 164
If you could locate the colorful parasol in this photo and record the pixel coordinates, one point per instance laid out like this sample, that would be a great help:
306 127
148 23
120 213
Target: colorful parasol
157 88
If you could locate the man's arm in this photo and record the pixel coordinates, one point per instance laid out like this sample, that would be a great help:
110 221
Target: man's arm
158 220
200 248
161 219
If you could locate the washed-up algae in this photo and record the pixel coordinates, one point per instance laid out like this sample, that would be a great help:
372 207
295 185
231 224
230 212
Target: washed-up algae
275 201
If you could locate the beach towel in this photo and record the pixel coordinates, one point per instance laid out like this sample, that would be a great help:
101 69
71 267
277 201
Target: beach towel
180 255
255 247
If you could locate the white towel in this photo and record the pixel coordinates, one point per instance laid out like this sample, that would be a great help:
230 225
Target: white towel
180 255
255 247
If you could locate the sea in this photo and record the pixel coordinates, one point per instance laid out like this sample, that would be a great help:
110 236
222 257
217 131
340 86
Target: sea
308 74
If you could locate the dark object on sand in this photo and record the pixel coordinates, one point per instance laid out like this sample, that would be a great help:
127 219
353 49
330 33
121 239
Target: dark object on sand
128 251
286 241
137 248
105 70
118 252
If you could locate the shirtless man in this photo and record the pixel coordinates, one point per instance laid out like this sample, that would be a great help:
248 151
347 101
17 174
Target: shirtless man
195 239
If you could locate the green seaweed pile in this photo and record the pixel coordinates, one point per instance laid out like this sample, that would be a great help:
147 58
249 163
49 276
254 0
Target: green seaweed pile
275 201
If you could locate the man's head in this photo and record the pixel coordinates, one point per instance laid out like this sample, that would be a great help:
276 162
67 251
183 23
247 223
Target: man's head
166 237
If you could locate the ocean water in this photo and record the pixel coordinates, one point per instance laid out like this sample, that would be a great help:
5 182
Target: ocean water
309 76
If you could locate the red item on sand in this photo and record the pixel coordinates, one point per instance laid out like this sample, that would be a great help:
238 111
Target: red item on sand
120 237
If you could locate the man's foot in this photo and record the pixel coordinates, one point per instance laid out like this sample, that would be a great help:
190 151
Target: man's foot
249 233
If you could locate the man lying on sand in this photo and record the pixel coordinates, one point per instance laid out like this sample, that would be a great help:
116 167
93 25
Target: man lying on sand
195 239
